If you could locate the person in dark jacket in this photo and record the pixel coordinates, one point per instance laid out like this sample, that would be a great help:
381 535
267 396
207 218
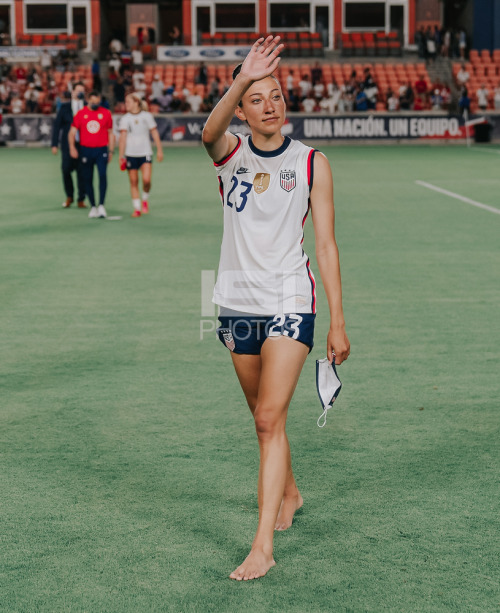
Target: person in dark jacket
64 118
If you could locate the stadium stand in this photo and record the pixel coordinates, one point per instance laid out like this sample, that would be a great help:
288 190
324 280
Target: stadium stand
483 68
299 44
369 44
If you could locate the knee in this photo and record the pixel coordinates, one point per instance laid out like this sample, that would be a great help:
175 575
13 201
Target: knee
146 185
268 422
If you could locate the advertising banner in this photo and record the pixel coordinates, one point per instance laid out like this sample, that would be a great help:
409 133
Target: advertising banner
202 53
179 128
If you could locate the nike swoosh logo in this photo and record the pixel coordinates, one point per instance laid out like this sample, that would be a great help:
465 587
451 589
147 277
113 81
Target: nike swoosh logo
242 171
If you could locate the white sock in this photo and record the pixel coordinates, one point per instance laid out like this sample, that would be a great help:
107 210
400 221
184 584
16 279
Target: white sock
137 204
145 196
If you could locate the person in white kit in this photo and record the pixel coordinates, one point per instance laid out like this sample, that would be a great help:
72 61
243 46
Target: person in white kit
265 288
135 151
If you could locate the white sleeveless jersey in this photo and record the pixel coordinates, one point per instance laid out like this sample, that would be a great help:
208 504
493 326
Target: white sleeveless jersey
263 269
138 127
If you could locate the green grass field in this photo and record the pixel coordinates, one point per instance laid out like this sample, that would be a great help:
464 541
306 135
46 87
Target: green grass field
129 460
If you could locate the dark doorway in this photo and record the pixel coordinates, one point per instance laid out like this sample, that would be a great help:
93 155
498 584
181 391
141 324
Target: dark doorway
79 20
322 21
396 21
5 25
202 22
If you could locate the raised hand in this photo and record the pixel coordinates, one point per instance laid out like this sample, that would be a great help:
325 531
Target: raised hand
263 58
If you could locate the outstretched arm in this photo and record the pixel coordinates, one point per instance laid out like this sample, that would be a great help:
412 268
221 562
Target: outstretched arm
261 62
327 254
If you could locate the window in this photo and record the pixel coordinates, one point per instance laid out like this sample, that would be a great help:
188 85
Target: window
365 15
46 17
285 16
79 20
235 16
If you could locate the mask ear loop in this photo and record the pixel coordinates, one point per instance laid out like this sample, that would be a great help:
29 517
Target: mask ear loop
323 416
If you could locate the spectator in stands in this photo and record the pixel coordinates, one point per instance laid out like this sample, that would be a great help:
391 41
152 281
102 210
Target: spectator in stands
16 105
202 77
437 39
496 97
140 36
115 46
406 98
431 45
361 100
462 42
464 101
195 101
96 75
316 74
436 100
31 96
370 89
421 86
175 36
140 87
165 100
346 101
45 60
333 94
21 74
115 63
137 59
308 103
482 97
215 91
419 104
445 47
463 75
392 101
319 89
137 77
5 96
289 84
304 87
294 100
119 91
420 41
445 97
4 68
156 88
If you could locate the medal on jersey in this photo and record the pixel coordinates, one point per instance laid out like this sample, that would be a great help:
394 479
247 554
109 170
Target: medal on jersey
261 182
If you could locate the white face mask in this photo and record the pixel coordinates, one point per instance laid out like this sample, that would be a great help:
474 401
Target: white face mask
328 385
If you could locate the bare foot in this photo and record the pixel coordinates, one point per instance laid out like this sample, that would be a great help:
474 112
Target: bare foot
256 564
289 505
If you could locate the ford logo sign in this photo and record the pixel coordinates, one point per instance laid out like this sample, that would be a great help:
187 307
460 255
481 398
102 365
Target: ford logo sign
176 53
212 52
242 51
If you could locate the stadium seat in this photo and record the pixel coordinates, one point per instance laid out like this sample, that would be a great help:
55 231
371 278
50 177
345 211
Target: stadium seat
206 38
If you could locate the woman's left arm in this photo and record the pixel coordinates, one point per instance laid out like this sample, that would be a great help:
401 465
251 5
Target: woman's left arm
327 255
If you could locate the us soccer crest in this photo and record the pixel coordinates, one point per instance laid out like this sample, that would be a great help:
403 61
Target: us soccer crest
287 180
261 182
228 339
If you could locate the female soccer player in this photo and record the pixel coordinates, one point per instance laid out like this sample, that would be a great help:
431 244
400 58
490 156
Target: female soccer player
135 150
265 288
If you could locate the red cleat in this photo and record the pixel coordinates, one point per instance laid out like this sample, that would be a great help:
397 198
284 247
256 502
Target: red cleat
145 207
136 214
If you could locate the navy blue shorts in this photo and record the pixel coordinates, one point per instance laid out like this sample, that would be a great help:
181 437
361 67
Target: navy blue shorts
134 163
247 333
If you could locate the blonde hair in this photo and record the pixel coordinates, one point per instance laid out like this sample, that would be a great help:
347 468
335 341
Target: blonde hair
143 105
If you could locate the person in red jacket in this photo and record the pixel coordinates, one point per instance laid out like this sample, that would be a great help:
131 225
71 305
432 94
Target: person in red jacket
97 141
